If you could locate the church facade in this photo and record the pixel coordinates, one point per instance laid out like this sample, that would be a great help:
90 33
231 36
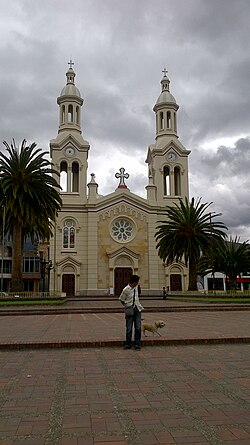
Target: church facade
99 241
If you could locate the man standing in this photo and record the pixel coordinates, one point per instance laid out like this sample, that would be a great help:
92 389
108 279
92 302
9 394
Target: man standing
130 300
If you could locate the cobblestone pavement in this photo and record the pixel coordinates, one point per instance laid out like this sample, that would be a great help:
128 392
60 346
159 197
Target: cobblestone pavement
192 395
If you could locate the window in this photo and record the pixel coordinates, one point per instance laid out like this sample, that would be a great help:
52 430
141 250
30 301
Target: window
28 285
177 181
161 121
168 119
63 114
64 176
31 265
7 266
122 230
75 177
69 234
70 113
77 115
166 181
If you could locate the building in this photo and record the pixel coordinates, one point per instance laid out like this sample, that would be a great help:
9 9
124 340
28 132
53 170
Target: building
35 274
99 241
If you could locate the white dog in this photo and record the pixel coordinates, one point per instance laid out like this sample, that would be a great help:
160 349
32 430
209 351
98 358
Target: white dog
152 327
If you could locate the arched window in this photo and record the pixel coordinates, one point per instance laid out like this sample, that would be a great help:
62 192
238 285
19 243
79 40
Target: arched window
70 113
161 121
177 181
64 176
166 181
63 114
77 115
75 177
168 119
69 234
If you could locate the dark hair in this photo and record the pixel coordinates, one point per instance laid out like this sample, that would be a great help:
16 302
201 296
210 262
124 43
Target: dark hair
134 279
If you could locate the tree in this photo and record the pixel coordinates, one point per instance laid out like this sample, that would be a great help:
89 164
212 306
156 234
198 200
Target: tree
30 196
233 258
186 233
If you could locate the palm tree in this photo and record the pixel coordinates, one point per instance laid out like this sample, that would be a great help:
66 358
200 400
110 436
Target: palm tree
186 233
233 258
29 193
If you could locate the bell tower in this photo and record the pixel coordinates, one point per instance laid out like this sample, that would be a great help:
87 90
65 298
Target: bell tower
69 150
167 158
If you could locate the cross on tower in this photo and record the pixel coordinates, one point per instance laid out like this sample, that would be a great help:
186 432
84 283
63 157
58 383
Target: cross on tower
70 63
165 71
122 175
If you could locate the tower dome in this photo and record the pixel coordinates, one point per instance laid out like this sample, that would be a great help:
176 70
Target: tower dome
70 89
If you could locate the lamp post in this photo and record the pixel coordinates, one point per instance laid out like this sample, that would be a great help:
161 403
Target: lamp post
43 264
46 267
50 267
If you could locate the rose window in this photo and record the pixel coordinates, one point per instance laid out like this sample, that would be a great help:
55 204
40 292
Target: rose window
122 230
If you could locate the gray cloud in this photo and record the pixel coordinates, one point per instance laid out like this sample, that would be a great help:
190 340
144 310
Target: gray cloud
222 176
119 50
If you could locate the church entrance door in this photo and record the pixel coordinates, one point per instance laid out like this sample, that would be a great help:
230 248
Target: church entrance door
68 284
122 275
175 282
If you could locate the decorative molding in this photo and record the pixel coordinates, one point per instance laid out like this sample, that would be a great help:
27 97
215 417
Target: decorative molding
123 251
69 261
121 256
122 210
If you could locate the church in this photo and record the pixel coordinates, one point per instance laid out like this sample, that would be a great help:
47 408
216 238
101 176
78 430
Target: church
99 241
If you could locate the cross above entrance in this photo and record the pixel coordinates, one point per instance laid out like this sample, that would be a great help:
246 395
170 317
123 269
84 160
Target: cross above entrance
122 175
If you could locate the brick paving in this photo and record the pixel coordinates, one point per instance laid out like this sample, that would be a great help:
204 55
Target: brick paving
107 329
162 395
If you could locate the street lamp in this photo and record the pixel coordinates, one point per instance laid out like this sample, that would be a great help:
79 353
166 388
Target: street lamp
46 267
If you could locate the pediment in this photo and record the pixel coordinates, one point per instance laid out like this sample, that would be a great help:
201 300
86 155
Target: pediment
69 260
172 144
122 251
175 146
64 139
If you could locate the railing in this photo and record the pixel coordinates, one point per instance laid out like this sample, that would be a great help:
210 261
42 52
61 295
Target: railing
211 293
31 295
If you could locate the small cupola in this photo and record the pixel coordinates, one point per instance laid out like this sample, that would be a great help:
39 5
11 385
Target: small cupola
70 76
165 109
70 103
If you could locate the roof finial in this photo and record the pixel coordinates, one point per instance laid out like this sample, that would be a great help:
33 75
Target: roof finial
71 63
165 71
122 175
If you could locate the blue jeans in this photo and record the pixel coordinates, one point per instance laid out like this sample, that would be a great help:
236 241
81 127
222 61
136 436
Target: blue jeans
136 320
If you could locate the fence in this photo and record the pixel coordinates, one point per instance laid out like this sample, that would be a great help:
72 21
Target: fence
31 295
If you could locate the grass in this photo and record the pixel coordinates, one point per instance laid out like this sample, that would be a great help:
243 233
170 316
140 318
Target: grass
211 299
32 302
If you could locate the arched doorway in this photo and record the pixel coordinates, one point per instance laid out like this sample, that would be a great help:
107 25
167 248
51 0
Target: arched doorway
122 275
175 282
68 284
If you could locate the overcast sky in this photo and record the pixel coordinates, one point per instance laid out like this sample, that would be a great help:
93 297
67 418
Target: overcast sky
119 49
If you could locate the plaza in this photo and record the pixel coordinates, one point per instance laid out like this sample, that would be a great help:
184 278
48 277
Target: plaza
66 380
